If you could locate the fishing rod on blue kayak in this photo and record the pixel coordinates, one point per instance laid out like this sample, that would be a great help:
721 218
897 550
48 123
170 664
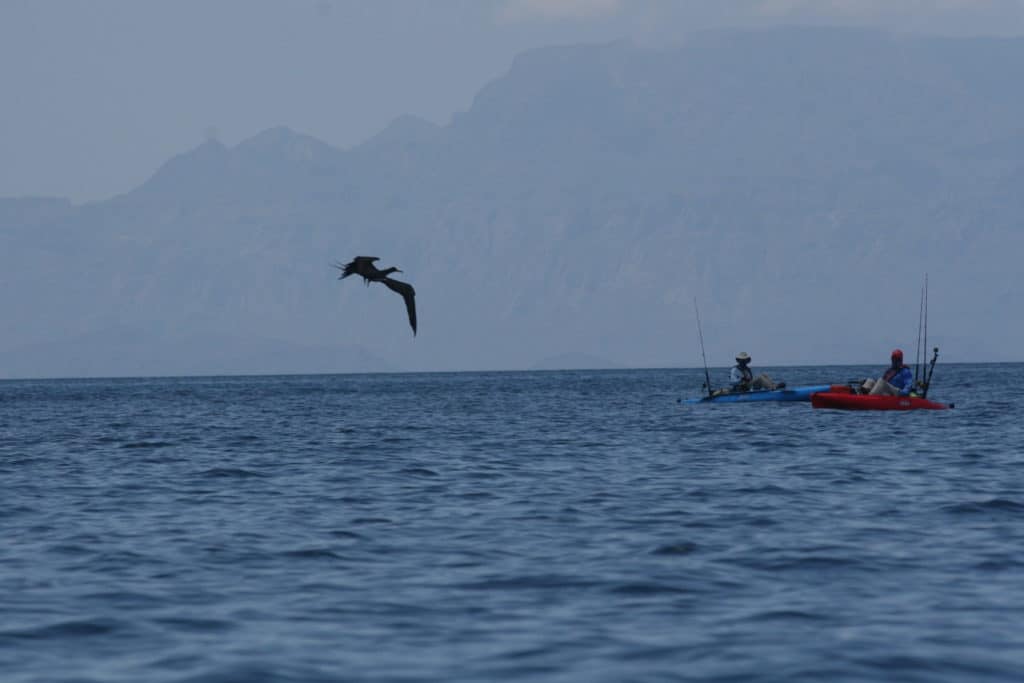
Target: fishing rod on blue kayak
700 332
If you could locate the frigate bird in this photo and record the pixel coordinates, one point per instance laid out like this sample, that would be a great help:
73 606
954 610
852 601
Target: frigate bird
363 266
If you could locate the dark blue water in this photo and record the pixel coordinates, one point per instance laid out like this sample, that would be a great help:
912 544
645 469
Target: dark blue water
567 526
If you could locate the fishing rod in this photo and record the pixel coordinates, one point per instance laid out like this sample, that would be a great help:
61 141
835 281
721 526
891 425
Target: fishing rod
700 332
926 315
931 371
917 356
926 376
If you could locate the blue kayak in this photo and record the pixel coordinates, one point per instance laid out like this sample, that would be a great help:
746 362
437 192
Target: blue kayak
793 394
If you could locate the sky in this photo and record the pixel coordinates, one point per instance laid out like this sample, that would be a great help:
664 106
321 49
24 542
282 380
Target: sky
97 95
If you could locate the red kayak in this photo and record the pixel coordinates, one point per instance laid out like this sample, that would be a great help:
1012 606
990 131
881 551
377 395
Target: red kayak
851 401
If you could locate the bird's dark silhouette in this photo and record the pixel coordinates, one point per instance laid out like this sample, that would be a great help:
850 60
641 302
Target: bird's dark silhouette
363 266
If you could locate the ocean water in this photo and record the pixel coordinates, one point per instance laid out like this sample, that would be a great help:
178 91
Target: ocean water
549 526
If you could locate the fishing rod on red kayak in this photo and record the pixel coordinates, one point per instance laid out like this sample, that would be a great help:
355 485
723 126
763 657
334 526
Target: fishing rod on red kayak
925 347
920 322
931 371
926 373
925 377
700 332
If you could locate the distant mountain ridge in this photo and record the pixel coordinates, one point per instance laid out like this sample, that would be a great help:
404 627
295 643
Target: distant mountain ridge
797 182
130 352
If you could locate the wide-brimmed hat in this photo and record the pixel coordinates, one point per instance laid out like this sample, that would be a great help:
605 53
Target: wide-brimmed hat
742 356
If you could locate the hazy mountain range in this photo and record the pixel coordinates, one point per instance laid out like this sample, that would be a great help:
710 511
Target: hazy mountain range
798 183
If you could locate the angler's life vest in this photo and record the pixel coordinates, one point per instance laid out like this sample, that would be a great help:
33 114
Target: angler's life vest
901 378
748 375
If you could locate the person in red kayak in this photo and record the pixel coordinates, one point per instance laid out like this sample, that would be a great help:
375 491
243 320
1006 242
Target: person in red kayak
742 377
898 380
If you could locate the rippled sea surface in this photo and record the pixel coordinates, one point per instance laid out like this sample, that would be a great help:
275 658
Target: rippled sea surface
550 526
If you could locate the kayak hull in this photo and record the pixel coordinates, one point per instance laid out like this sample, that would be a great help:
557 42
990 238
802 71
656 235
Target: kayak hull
847 401
794 394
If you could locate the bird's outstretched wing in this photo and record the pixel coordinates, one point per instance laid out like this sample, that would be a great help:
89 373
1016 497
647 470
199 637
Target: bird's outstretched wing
356 266
409 294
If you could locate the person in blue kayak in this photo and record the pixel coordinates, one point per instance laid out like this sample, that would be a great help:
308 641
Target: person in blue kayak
898 379
742 377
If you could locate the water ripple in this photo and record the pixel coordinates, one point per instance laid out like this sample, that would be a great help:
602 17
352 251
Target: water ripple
506 526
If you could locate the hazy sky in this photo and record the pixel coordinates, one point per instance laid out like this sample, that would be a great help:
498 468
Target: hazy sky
96 95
